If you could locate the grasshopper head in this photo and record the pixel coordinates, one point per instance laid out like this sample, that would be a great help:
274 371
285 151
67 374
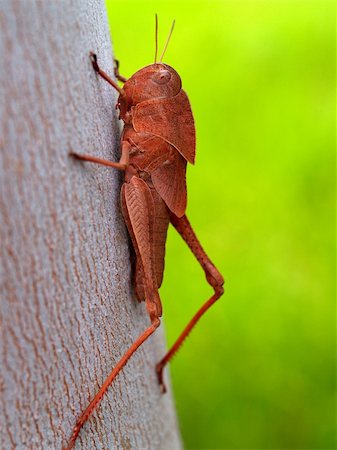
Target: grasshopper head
150 82
157 80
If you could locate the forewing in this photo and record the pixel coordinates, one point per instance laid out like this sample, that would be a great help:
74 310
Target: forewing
171 119
168 171
169 180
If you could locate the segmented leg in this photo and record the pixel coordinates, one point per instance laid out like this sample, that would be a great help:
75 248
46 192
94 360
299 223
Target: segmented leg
213 277
117 74
121 165
139 215
98 397
104 75
138 210
161 219
138 281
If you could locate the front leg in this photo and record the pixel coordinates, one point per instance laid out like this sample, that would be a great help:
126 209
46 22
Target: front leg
104 75
117 74
213 277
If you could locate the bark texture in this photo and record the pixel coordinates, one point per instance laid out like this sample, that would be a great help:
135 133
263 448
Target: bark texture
67 309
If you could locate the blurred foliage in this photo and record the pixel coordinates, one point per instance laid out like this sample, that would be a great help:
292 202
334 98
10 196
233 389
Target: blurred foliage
259 369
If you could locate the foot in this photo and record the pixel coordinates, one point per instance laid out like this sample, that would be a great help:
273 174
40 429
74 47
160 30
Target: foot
74 155
93 58
116 67
159 371
116 72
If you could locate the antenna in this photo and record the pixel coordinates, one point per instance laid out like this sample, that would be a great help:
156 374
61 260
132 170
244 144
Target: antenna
167 41
156 39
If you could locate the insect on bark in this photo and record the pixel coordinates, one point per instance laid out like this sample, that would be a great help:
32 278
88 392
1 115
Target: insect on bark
158 140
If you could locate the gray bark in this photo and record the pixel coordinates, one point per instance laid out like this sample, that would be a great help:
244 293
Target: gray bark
67 309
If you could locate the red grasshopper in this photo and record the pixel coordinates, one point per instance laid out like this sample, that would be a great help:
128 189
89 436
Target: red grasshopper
157 142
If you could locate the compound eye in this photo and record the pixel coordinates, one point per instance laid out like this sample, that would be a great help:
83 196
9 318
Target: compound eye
162 77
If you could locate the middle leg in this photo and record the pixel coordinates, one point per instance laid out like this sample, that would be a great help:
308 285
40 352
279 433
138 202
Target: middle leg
121 165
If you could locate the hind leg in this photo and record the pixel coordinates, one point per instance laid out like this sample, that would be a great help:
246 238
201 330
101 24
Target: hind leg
213 277
138 283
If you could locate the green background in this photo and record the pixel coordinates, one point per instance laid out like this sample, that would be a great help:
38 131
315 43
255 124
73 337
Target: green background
259 369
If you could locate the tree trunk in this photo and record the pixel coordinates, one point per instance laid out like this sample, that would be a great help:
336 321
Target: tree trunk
67 309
